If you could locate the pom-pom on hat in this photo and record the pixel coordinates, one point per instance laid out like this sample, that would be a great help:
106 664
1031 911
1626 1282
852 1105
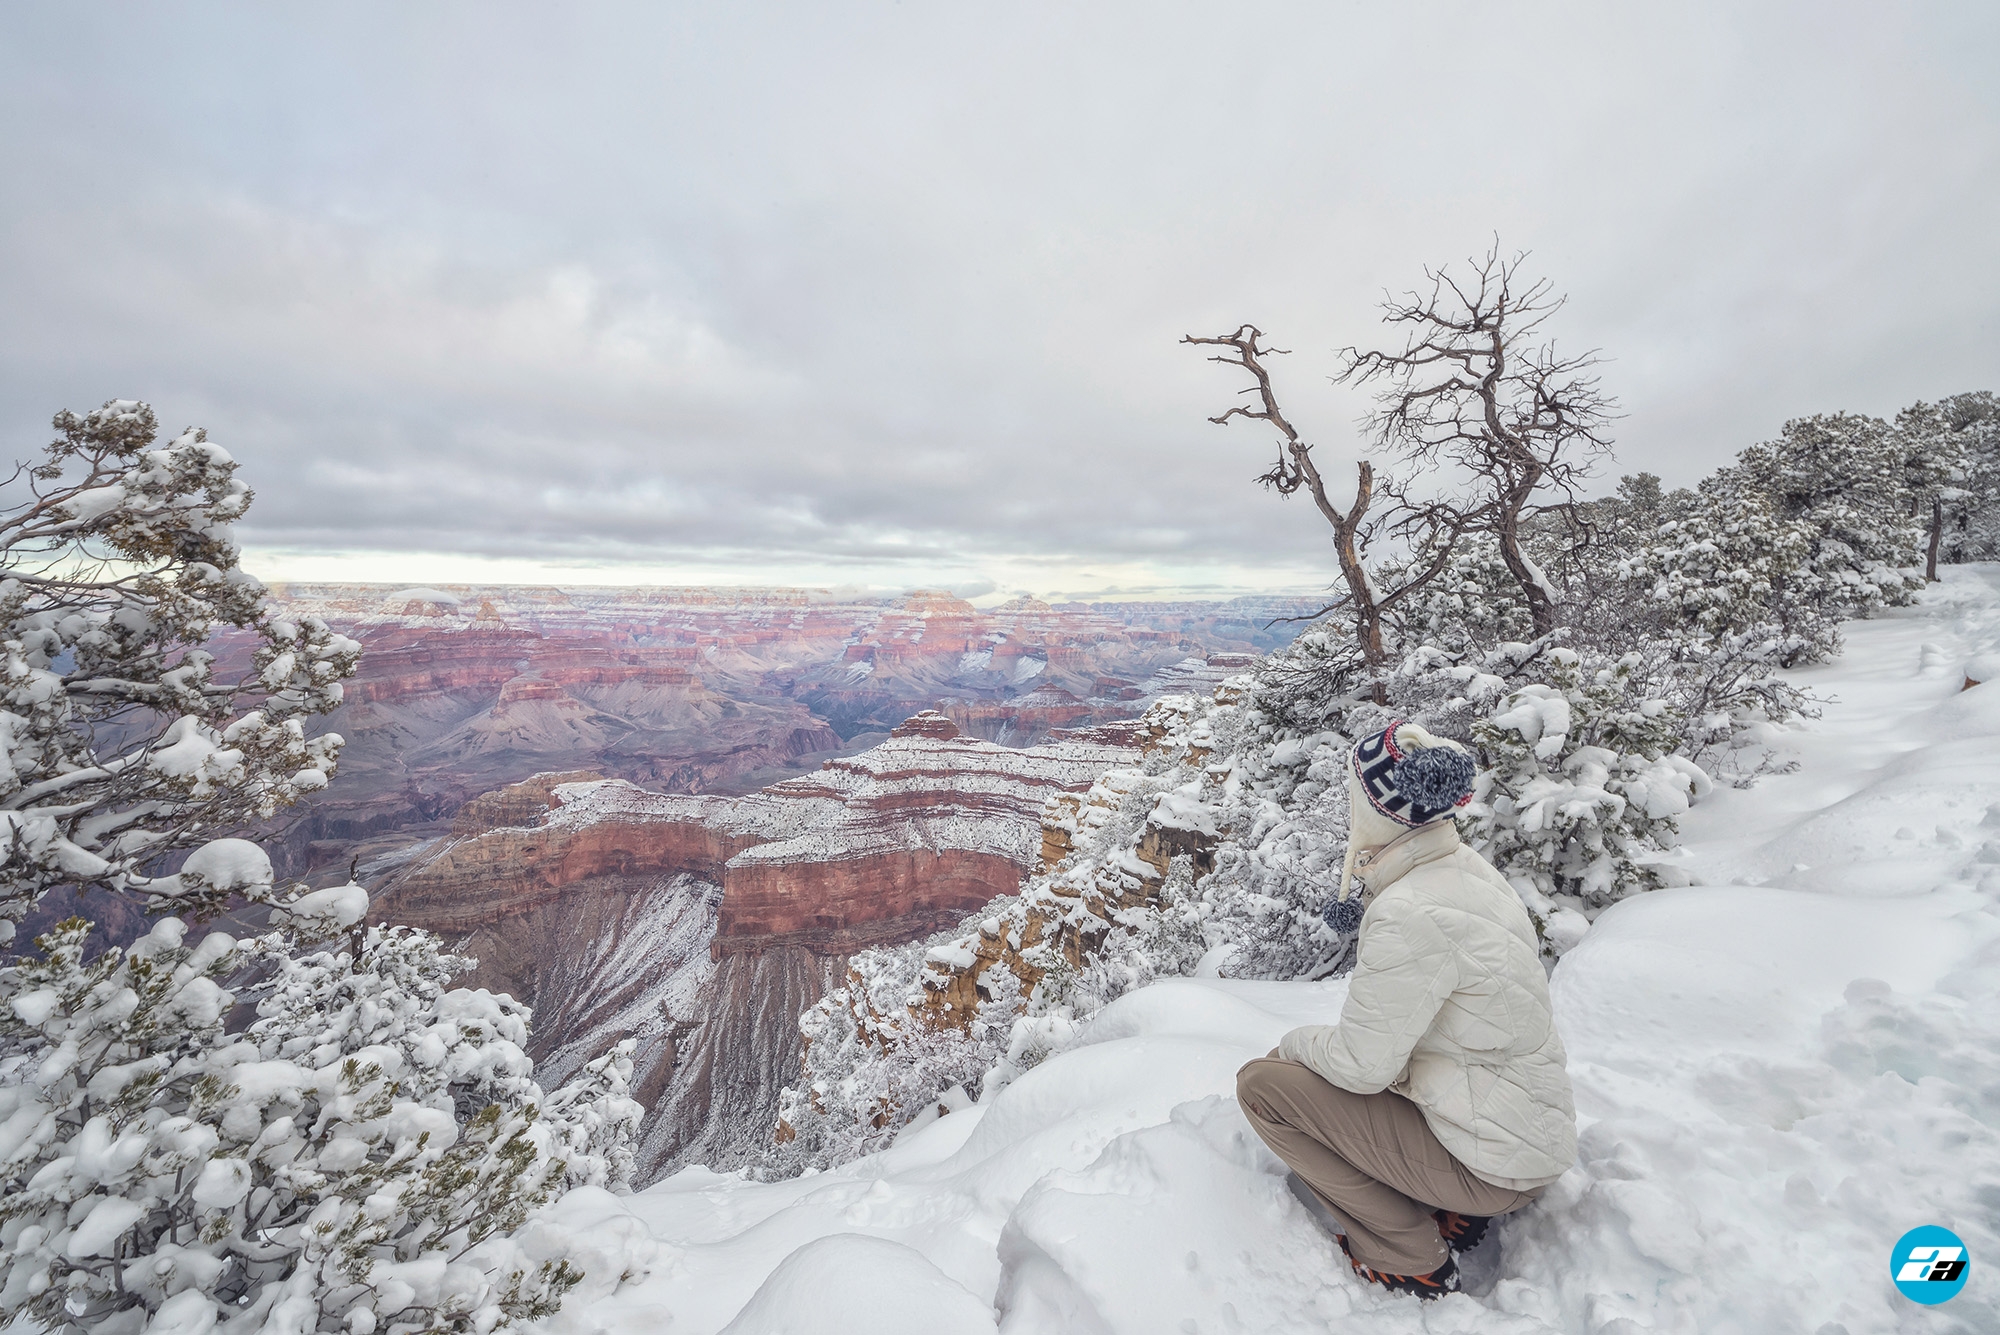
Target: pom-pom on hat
1410 776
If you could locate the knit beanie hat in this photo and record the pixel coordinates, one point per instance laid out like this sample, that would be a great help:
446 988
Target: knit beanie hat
1399 779
1410 776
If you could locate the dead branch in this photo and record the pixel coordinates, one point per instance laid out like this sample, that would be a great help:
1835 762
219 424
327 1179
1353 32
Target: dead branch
1476 385
1296 470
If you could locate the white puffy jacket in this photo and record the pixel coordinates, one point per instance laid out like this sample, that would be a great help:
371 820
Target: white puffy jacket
1448 1005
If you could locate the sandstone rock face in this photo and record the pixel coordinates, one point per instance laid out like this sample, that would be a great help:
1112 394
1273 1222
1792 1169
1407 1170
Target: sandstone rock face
704 925
478 880
524 803
882 846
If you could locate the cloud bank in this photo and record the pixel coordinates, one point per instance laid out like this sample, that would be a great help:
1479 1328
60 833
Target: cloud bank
779 294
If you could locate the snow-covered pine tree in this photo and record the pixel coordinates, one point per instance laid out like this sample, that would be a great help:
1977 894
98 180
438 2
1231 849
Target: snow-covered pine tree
1589 541
1971 529
362 1153
1842 476
1933 458
355 1160
870 1066
1311 683
122 739
1722 572
1719 565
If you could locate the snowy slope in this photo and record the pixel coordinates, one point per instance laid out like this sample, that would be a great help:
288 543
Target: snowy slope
1778 1071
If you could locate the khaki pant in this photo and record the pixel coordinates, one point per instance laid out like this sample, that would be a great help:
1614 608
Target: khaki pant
1372 1159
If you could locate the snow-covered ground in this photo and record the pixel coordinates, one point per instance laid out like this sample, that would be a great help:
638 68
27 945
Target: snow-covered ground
1779 1071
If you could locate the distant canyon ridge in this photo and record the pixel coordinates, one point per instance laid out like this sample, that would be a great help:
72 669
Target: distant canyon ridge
464 689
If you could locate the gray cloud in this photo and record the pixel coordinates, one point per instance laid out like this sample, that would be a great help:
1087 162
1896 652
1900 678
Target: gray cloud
784 292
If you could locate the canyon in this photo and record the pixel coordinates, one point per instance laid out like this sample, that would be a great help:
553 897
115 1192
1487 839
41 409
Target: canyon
673 814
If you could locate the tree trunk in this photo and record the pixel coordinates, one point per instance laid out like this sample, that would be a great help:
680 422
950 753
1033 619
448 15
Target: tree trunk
1937 537
1367 616
1540 609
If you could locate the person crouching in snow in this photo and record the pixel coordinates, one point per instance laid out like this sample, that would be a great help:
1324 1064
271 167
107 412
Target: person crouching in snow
1442 1096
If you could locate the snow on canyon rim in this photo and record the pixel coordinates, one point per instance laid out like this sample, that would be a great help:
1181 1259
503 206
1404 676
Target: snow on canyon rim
1778 1071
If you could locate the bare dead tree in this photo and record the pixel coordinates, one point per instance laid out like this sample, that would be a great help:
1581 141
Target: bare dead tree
1475 386
1429 528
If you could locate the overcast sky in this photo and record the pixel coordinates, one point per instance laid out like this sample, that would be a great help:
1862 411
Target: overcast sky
889 294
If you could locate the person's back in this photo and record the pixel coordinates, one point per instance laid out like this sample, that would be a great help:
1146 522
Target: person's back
1442 1091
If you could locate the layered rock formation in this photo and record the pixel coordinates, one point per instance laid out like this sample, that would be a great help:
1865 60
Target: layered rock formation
465 689
704 925
897 841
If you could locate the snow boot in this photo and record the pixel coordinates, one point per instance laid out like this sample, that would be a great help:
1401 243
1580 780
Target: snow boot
1437 1283
1461 1232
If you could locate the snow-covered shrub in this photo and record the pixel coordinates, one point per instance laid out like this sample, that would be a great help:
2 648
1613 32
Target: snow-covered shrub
1473 603
1284 810
1716 607
1310 683
1709 589
1585 759
1578 788
1730 695
121 738
307 1131
595 1122
870 1066
355 1159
